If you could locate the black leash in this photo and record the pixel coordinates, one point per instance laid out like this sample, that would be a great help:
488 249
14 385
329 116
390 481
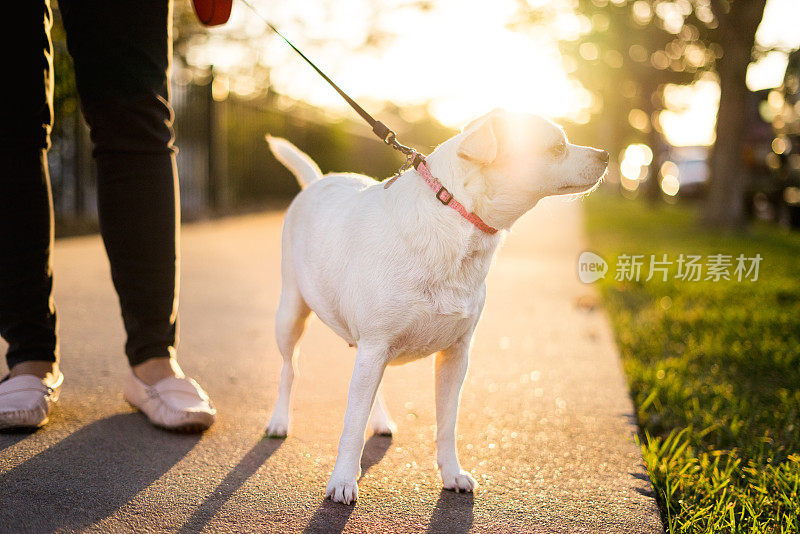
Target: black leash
413 158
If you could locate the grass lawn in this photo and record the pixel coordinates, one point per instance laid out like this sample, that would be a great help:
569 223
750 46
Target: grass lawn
713 367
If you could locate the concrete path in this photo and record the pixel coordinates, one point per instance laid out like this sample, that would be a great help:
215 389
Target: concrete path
546 425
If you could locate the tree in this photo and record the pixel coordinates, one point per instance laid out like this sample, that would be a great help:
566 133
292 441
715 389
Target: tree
737 22
650 43
632 51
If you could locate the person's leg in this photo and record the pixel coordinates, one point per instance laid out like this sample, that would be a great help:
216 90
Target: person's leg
27 313
139 217
121 51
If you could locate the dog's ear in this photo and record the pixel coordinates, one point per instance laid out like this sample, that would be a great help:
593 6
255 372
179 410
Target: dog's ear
479 145
494 113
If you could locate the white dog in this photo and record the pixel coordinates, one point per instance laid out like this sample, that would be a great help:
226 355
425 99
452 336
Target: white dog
399 271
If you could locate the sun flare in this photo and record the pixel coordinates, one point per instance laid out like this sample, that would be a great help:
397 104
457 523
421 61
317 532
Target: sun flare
463 59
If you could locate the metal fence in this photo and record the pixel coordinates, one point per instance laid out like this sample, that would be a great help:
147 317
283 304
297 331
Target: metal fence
223 160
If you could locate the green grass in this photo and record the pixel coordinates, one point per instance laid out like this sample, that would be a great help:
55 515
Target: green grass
713 367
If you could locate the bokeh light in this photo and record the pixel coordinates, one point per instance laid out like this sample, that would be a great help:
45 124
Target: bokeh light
462 58
634 163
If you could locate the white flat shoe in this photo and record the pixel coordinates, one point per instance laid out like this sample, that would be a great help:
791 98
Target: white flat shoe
178 404
25 401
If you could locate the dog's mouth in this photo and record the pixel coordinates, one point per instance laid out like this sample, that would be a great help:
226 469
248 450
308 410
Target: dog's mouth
586 187
578 188
574 190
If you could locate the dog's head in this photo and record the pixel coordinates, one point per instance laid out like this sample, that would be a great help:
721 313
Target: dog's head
517 159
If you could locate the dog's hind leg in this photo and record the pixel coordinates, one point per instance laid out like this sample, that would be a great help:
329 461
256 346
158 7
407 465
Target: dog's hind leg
379 420
290 322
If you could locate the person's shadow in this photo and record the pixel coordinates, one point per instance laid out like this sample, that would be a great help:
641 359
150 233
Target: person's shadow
331 517
88 475
12 436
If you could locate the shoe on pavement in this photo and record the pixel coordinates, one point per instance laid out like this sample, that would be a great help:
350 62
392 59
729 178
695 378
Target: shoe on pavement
178 404
25 401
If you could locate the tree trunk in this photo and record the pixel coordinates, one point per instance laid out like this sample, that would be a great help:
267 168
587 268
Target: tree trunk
724 205
651 189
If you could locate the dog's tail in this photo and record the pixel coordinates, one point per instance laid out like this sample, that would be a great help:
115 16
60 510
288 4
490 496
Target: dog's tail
297 161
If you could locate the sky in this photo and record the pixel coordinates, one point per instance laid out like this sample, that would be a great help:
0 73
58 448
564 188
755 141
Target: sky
461 56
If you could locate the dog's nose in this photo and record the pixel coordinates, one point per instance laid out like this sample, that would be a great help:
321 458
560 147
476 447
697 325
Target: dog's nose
603 155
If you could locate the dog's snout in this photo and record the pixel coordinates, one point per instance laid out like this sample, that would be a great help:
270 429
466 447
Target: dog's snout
603 156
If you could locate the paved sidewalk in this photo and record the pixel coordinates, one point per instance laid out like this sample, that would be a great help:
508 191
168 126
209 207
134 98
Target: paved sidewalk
546 425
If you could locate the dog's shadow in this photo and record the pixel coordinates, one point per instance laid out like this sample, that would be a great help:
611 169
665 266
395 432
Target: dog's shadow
246 467
452 514
331 517
374 450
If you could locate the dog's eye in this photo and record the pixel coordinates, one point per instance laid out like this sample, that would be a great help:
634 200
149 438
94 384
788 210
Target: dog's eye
558 150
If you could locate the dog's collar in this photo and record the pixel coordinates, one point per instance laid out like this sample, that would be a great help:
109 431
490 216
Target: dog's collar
444 196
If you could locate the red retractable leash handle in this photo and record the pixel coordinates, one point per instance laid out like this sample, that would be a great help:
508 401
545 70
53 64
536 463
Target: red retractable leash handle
213 12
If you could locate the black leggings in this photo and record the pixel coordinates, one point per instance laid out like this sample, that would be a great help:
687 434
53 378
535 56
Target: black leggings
121 50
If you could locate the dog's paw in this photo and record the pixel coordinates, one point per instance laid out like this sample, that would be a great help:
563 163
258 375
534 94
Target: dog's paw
384 428
277 428
343 491
458 481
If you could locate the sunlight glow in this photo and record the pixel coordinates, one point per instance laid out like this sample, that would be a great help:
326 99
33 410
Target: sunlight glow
692 115
778 29
767 72
461 57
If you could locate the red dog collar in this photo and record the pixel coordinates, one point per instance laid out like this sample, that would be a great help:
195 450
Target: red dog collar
443 195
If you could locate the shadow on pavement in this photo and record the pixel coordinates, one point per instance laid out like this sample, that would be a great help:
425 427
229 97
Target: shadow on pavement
453 513
374 450
331 517
647 490
246 468
12 436
88 475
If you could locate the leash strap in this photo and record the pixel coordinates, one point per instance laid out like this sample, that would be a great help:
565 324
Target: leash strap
413 158
381 130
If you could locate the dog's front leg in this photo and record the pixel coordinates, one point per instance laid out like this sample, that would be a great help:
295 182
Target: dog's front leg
451 368
367 373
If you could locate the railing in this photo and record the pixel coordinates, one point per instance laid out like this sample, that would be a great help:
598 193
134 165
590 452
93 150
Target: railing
224 163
